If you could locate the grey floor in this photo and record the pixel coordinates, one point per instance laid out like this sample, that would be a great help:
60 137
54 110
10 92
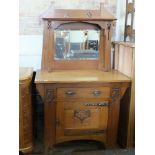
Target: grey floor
84 148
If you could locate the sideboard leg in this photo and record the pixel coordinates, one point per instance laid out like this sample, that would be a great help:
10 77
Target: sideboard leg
113 118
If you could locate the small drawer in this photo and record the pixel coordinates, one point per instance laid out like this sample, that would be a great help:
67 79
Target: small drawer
99 92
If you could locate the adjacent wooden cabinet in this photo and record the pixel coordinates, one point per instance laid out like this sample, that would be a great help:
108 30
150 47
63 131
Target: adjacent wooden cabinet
125 63
25 110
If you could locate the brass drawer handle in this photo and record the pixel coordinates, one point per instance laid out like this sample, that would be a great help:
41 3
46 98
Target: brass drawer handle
97 93
99 104
70 93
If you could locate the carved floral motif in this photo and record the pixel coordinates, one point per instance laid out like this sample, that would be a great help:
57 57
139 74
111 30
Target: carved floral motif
82 114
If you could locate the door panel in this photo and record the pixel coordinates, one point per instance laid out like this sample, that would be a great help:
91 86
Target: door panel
81 118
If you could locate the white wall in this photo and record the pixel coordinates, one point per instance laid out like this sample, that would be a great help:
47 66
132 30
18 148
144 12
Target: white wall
30 51
120 24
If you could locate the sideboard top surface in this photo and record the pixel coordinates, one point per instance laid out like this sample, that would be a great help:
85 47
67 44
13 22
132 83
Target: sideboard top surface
25 73
77 76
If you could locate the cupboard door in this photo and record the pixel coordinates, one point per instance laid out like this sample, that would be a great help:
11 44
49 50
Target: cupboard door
81 118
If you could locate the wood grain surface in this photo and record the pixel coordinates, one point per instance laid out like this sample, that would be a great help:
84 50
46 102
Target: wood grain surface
75 76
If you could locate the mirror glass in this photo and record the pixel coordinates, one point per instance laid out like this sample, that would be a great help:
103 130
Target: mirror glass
76 44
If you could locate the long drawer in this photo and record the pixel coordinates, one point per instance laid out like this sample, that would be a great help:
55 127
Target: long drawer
98 92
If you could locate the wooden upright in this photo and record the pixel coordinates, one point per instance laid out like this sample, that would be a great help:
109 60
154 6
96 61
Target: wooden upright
81 97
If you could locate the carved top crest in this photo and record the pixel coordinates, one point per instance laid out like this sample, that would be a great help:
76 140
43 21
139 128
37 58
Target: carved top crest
78 15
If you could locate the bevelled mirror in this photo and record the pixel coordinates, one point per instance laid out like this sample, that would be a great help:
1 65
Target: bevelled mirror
76 44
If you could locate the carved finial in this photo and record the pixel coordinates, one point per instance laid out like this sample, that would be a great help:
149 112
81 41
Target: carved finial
52 2
51 8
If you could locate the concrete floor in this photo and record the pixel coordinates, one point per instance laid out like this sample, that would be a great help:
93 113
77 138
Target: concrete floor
84 148
100 152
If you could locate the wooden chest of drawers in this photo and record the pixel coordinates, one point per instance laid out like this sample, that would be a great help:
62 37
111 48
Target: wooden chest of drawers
81 107
25 110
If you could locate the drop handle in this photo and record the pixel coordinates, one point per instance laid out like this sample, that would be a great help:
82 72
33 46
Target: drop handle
70 93
97 93
98 104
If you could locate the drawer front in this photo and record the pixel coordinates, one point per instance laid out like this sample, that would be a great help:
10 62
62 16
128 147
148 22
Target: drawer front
98 92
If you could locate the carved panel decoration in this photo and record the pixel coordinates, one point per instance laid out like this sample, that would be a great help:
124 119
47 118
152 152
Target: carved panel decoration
49 95
82 114
49 25
115 94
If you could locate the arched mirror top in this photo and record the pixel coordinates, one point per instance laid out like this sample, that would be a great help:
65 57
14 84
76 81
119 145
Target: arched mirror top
76 26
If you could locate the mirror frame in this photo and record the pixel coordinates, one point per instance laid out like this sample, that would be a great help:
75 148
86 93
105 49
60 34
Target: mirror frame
104 60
